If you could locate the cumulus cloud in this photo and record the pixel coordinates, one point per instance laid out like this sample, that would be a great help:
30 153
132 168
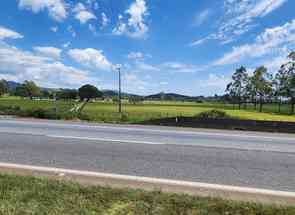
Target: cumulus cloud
56 8
85 16
271 40
50 52
6 33
82 14
135 26
19 65
91 58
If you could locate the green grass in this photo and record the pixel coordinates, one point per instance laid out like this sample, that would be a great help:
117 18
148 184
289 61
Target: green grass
28 195
107 112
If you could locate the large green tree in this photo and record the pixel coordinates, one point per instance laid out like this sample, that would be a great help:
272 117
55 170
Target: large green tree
28 89
88 92
3 87
237 88
287 71
262 83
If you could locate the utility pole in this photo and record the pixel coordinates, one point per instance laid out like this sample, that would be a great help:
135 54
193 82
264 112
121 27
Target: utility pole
120 96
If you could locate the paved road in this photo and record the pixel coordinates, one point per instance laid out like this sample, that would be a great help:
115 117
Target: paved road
262 160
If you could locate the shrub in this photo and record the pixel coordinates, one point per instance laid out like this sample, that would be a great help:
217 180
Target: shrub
10 110
124 117
213 114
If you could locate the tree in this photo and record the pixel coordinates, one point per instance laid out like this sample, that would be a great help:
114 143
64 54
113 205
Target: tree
288 72
28 89
3 87
32 89
88 92
45 94
262 82
237 88
67 94
281 85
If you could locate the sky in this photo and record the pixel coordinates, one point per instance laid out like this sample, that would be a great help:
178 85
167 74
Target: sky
189 47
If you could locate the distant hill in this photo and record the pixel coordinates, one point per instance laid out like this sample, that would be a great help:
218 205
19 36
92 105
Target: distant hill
12 84
112 93
172 97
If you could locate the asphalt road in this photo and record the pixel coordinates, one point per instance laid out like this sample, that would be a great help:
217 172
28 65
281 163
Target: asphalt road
260 160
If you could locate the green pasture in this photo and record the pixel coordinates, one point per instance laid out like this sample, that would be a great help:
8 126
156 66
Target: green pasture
107 112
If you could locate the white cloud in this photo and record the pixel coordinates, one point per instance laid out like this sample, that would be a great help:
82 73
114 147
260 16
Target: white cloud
54 29
200 18
270 41
85 16
213 84
92 28
19 65
179 67
72 31
137 85
91 58
136 26
164 83
239 17
199 42
82 14
6 33
55 8
104 20
142 66
79 7
66 45
50 52
135 56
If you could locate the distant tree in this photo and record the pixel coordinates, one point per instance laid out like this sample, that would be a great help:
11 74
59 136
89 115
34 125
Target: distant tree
28 89
237 88
262 82
67 94
281 85
45 94
88 92
3 87
20 91
287 71
135 99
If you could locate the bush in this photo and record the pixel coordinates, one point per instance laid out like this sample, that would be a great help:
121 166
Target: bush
124 117
213 114
10 110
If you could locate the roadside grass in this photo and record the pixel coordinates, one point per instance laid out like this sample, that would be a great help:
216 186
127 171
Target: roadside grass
29 195
107 112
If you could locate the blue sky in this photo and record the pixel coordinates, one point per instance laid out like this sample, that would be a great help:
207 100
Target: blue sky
189 47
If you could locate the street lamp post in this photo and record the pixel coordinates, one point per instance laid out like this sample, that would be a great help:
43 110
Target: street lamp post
120 95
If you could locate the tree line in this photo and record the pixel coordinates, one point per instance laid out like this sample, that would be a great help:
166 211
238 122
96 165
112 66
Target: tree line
29 89
263 87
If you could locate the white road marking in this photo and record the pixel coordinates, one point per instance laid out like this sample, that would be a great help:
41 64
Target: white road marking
104 139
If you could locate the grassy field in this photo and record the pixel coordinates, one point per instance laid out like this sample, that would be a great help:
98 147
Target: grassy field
107 112
28 195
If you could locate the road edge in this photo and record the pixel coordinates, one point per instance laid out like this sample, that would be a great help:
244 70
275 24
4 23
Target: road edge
235 193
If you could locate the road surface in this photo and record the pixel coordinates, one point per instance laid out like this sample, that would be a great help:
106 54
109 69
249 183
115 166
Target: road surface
259 160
